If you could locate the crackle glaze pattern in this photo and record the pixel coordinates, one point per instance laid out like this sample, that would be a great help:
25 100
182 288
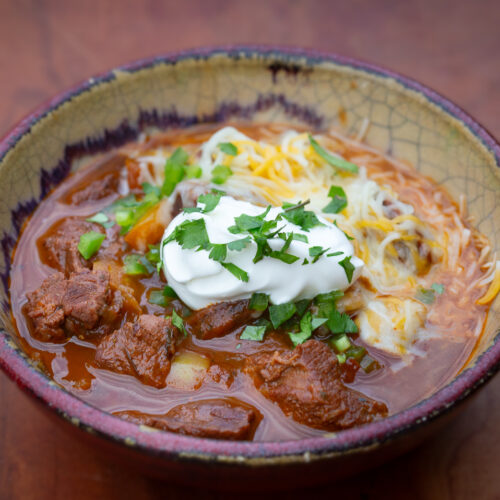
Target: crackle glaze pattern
406 121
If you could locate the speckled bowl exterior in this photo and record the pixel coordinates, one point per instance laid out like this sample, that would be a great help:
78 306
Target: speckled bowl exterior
255 84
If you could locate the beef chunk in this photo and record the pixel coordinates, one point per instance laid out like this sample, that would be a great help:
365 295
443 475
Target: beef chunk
142 349
220 319
306 384
60 248
210 418
96 190
79 305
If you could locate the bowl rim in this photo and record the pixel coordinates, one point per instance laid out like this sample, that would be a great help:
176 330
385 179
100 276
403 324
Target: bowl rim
19 368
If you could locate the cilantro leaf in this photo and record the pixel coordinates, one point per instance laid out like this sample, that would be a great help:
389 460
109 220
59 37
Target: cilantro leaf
236 271
157 297
280 313
302 218
339 200
179 323
305 330
220 174
341 323
190 234
253 332
334 161
229 148
317 252
210 200
218 252
102 219
259 302
348 267
238 245
168 291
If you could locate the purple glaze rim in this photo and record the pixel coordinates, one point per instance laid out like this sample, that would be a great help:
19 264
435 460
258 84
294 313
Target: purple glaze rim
178 447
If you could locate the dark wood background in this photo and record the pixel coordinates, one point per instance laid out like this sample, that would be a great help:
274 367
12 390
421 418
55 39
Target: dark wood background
46 46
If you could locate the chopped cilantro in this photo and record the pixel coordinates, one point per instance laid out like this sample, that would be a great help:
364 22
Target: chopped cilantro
339 200
158 297
317 322
220 174
278 314
236 271
295 236
334 254
253 332
348 267
178 322
301 306
210 200
341 323
259 302
102 219
317 252
296 214
190 234
334 161
218 252
229 148
168 291
149 188
90 243
238 245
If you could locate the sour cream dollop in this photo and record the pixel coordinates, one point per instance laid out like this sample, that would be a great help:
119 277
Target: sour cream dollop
200 281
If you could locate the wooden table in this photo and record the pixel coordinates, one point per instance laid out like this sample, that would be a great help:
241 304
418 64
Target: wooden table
46 46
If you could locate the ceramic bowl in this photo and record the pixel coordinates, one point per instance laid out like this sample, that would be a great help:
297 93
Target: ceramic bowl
407 120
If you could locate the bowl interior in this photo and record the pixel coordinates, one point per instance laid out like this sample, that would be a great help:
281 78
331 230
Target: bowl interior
392 114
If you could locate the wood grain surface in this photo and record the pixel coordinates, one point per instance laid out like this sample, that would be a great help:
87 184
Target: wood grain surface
47 46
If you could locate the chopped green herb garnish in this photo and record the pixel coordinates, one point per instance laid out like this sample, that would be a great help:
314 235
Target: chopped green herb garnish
229 148
218 252
438 288
90 243
220 174
259 302
317 252
210 200
339 200
157 297
135 265
238 245
334 161
236 271
190 234
341 323
296 214
178 322
102 219
334 254
348 267
253 332
305 330
149 188
295 237
278 314
168 291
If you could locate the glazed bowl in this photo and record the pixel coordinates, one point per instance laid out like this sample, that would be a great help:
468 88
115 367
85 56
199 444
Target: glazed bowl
255 84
